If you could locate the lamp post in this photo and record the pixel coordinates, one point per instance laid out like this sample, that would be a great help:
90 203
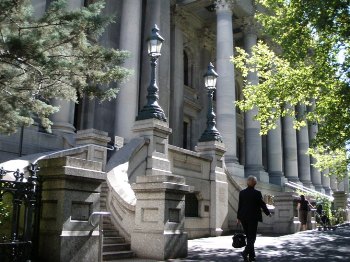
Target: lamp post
152 108
210 133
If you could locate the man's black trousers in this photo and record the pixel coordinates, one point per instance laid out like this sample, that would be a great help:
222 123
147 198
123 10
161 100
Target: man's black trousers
250 228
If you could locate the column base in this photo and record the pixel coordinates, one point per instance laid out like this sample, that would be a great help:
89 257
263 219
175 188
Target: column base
294 180
307 184
62 127
235 169
328 191
277 178
319 188
258 172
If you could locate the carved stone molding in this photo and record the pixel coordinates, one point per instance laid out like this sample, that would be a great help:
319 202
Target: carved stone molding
224 5
183 19
208 38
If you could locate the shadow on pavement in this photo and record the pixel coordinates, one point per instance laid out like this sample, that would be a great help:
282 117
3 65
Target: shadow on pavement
327 246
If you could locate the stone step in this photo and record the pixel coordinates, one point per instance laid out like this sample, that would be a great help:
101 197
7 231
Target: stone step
113 240
116 247
117 255
110 233
109 227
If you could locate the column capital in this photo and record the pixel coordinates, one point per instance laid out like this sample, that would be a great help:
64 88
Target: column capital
224 5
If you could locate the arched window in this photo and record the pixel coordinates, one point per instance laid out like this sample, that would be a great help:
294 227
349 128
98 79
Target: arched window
186 69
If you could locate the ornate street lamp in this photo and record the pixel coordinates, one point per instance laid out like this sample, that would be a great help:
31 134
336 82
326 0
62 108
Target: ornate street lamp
210 133
152 108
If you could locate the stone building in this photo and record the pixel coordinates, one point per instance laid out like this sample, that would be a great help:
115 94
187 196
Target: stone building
196 32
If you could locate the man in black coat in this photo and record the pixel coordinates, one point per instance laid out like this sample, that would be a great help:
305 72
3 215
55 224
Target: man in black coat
249 214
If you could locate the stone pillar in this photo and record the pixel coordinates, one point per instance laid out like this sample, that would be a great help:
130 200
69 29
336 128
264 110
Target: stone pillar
63 120
333 183
39 7
70 194
315 173
218 186
94 137
160 207
127 99
290 150
285 218
326 182
340 200
275 155
343 185
303 146
225 93
253 141
177 90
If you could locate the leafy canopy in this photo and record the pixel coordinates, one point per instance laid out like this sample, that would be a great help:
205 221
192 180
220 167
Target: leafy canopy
55 56
309 68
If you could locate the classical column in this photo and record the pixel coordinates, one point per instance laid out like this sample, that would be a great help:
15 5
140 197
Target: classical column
326 182
275 155
177 84
63 120
290 149
39 7
333 183
225 94
343 184
127 99
253 143
315 173
303 146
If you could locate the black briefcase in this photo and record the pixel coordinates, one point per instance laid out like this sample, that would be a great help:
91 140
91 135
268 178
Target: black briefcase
239 240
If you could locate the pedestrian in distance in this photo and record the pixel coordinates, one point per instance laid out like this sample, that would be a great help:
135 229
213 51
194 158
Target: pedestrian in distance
249 214
304 207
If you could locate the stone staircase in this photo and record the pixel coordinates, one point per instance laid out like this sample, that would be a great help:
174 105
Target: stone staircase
114 246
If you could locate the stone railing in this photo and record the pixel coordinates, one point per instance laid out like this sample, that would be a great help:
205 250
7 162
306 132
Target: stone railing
122 169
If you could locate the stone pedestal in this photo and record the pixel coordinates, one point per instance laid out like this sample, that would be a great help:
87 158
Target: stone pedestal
157 132
340 199
160 207
340 202
285 219
70 194
94 137
160 217
218 186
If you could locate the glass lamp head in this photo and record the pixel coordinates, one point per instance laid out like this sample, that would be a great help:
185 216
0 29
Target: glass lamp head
155 42
210 77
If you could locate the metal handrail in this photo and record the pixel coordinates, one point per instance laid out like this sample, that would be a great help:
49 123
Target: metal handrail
98 213
91 222
309 190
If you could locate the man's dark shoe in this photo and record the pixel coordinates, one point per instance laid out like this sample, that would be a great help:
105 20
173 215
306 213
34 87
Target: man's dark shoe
245 257
252 259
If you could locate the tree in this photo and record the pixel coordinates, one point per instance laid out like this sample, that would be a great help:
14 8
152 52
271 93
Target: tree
53 56
310 66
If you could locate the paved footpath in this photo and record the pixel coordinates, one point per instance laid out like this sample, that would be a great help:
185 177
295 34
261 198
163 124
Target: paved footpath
311 245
